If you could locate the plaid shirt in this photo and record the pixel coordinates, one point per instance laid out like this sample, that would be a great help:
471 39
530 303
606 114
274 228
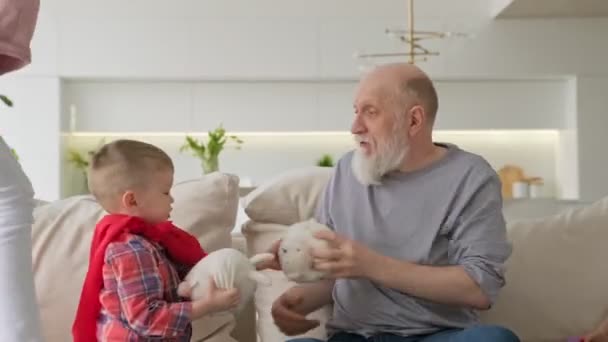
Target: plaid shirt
139 300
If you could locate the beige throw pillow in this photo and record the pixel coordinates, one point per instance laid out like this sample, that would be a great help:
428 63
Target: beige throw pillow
62 234
289 198
557 284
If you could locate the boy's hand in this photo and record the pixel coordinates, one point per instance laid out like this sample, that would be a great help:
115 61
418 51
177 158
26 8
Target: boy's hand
215 300
273 264
184 289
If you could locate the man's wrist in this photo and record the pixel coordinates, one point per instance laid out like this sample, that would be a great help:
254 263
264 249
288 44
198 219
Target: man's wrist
380 270
376 267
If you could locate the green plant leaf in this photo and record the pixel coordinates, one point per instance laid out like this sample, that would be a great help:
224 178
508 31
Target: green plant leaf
326 161
6 100
15 154
76 159
209 152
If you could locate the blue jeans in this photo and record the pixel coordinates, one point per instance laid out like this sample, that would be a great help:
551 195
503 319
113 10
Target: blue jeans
474 334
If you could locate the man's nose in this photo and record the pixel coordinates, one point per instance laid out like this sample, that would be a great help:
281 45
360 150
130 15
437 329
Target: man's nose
357 127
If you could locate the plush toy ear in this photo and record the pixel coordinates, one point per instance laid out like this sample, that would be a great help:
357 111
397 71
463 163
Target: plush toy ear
260 278
256 259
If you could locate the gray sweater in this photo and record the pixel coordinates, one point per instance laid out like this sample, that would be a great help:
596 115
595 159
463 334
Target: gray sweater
448 213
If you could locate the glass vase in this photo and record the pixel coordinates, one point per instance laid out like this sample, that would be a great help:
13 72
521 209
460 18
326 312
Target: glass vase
211 164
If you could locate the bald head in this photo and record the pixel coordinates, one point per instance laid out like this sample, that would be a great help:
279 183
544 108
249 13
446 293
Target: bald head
406 84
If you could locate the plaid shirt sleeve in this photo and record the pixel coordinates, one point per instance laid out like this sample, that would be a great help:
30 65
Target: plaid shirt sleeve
140 290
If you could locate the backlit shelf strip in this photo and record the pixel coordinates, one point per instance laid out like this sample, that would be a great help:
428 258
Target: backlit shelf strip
300 134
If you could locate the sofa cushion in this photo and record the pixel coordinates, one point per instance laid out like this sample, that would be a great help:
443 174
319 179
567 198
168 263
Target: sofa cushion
260 237
288 198
556 280
62 234
531 208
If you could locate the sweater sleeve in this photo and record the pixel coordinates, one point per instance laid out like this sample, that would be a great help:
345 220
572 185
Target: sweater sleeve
478 240
140 291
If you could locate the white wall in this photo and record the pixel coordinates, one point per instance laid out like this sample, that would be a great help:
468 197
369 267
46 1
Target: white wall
294 41
31 127
298 40
592 121
567 162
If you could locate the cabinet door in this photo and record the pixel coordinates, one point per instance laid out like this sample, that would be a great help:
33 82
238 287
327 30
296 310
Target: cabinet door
336 105
255 106
502 104
129 106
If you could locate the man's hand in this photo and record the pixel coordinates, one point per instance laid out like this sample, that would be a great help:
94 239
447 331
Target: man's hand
288 314
344 258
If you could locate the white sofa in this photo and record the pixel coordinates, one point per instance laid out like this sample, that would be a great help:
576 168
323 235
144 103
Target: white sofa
557 284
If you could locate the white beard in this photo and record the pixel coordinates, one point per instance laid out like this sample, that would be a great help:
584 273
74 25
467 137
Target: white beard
369 170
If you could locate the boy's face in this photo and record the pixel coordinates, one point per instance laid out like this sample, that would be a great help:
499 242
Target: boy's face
153 201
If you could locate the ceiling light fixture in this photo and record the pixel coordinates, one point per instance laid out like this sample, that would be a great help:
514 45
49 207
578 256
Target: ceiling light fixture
412 39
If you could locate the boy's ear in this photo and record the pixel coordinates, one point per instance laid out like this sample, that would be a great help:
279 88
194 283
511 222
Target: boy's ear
128 199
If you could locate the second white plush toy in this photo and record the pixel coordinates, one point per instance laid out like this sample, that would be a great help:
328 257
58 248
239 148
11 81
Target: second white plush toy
230 269
294 251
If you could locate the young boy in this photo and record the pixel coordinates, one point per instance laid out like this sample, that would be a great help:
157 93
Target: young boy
137 256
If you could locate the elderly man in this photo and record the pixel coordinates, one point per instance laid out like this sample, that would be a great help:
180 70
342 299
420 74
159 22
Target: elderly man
19 318
419 241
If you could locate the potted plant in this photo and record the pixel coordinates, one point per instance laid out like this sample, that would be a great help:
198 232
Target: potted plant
209 152
326 161
82 162
7 102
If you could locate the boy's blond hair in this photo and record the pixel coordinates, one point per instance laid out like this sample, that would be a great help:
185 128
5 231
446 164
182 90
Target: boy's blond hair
124 165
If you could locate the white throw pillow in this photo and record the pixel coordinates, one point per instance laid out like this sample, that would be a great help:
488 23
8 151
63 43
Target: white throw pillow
62 233
288 198
557 285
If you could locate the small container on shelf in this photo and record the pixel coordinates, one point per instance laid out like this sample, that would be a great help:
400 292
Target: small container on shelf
521 189
536 187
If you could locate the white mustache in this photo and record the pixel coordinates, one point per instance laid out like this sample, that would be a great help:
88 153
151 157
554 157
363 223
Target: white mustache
361 138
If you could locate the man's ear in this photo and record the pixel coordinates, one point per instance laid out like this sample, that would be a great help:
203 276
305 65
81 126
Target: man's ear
129 200
417 119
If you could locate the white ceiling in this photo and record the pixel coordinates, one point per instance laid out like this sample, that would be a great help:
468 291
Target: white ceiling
555 9
424 9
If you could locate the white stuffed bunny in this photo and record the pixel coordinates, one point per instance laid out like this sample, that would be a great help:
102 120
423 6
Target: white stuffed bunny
294 251
230 269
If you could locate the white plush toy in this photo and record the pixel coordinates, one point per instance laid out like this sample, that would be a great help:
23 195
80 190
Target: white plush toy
294 251
230 269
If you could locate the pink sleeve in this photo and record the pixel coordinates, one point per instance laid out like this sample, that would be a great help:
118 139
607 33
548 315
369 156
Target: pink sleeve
17 24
